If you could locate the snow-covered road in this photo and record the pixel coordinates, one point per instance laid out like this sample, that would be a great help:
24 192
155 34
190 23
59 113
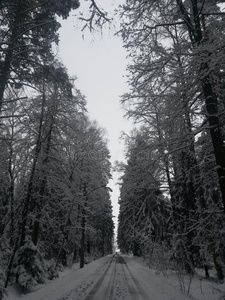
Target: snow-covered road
117 282
109 278
116 278
122 278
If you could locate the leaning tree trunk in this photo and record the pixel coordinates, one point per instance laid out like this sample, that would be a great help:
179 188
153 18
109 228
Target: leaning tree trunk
20 241
27 201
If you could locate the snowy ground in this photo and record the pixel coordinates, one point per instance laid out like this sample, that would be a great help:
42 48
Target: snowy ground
121 278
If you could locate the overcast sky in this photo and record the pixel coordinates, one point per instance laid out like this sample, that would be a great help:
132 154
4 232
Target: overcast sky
99 62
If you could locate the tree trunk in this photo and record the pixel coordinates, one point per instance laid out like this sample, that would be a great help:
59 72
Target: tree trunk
206 271
36 226
26 206
11 196
103 245
83 223
5 69
219 269
9 267
61 249
75 254
82 240
216 134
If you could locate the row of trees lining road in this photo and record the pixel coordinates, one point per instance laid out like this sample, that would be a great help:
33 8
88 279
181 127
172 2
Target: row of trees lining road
55 205
173 189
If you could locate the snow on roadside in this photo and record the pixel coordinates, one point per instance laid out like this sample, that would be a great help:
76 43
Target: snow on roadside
76 280
199 287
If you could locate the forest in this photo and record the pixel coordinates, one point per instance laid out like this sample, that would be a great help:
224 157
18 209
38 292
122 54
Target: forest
172 199
55 206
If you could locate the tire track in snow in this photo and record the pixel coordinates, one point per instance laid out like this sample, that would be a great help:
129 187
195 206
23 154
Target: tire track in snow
110 289
105 284
117 282
135 290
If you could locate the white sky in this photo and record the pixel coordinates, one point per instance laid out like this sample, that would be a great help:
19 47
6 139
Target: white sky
99 62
